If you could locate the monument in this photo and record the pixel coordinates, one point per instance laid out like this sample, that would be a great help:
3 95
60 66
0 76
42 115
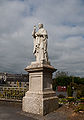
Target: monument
40 99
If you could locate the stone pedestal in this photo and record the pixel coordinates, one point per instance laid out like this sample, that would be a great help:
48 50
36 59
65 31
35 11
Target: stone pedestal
40 99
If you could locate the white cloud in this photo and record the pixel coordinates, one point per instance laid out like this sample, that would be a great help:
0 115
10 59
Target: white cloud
64 20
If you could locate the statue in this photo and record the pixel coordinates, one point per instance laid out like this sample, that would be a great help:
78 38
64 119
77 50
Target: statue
40 98
40 43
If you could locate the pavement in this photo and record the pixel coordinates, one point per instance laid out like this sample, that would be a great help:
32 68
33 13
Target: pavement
8 112
14 112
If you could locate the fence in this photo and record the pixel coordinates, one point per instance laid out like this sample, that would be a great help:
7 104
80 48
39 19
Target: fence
16 93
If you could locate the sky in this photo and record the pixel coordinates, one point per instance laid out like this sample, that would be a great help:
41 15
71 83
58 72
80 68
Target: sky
64 22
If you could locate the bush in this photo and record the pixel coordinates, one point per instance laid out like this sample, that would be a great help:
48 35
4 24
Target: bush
62 101
12 93
61 96
79 107
69 91
1 95
82 100
78 95
80 91
71 99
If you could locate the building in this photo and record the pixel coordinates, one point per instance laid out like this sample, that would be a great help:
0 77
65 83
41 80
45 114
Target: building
15 80
2 79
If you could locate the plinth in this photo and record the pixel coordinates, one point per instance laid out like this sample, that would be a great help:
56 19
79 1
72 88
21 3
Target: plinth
40 99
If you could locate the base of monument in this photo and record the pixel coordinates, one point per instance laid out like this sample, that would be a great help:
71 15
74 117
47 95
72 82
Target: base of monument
40 99
40 103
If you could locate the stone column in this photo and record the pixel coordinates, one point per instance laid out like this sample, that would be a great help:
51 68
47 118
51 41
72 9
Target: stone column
40 99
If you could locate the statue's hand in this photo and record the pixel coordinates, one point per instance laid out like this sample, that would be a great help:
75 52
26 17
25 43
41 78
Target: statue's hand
33 32
34 27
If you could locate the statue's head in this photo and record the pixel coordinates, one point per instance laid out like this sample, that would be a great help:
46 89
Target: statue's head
40 25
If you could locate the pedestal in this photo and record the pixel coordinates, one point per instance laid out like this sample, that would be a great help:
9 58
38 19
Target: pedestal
40 99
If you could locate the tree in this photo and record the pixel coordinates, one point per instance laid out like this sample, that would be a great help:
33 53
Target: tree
61 74
63 79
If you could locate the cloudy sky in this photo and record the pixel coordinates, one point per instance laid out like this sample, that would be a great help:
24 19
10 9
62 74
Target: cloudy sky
64 21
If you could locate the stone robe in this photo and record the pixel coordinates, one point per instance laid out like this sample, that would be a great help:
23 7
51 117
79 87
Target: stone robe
40 45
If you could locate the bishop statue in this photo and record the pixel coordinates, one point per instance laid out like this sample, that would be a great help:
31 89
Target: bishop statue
40 43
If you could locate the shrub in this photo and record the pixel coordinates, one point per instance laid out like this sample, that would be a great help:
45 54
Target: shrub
62 101
79 107
80 91
69 91
12 93
61 96
1 95
70 99
78 95
82 100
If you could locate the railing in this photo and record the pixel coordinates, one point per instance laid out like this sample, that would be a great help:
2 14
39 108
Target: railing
16 93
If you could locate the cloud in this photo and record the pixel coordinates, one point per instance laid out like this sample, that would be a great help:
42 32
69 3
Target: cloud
64 21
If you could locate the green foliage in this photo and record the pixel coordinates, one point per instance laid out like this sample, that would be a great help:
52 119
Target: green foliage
82 99
61 96
70 99
79 80
63 79
1 95
80 91
12 93
62 101
61 74
79 107
78 95
69 91
54 84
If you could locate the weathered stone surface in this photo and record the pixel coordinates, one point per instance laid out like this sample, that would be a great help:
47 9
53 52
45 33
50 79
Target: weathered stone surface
40 99
40 43
40 77
32 103
38 103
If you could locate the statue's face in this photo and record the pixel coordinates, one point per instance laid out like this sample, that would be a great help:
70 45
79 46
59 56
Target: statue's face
40 26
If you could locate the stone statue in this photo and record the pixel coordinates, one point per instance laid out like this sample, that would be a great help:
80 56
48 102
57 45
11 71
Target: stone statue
40 98
40 43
